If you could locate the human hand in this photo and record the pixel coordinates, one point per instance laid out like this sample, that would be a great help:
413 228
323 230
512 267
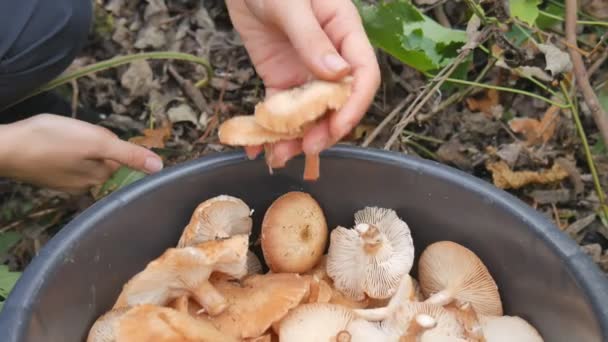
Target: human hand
290 42
67 154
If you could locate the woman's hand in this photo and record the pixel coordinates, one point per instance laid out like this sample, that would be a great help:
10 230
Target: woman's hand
292 41
67 154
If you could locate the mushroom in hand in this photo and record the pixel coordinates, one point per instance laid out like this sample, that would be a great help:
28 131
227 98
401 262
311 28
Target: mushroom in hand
449 271
294 233
218 217
372 258
186 271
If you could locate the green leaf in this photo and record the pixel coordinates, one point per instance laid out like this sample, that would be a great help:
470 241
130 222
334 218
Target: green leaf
121 178
8 240
544 22
7 280
401 30
525 10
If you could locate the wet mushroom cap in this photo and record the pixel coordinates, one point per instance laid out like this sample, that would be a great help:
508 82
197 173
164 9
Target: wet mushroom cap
258 302
294 233
218 217
291 110
314 322
449 271
243 130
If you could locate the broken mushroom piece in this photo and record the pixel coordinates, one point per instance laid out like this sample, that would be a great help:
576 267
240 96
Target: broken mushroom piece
218 217
294 233
371 258
291 110
186 271
508 328
314 322
258 302
449 271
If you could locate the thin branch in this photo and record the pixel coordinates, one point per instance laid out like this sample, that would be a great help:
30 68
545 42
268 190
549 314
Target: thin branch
370 138
599 115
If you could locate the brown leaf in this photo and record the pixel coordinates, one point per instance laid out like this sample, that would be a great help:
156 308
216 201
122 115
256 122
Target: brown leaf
537 131
154 138
506 178
485 103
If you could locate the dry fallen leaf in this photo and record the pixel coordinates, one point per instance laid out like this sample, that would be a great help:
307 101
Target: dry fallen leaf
138 78
558 61
485 103
537 131
154 138
506 178
597 8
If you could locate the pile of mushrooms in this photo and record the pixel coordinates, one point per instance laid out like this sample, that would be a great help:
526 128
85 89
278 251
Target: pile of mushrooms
287 115
347 285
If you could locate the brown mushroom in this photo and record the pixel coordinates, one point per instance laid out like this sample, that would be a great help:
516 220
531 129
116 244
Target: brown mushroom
244 130
294 233
291 110
371 258
258 302
449 271
314 322
218 217
185 271
508 328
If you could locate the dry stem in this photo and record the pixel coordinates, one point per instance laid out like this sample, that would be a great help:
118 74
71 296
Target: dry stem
599 115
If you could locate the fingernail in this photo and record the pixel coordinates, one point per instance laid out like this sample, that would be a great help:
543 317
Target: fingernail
153 164
334 62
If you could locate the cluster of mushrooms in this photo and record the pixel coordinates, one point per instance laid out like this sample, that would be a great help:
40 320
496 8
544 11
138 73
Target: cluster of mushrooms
352 284
287 115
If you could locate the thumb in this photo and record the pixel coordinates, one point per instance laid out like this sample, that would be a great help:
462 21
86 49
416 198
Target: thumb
300 24
133 156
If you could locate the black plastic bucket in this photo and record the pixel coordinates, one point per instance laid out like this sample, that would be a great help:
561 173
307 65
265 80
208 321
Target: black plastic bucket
542 275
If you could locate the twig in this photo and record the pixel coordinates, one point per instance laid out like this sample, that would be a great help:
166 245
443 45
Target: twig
193 93
598 63
74 84
579 127
370 138
441 17
599 115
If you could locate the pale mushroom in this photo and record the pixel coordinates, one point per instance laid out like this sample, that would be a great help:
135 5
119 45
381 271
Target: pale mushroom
104 328
185 271
406 289
218 217
507 329
258 302
294 233
371 258
315 322
320 291
243 130
254 266
291 110
362 330
469 320
449 271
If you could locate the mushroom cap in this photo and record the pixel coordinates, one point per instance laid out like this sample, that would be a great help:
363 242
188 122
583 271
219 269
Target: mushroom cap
508 328
258 302
162 324
218 217
447 323
364 331
243 130
455 272
314 322
291 110
294 233
104 328
254 266
182 271
373 257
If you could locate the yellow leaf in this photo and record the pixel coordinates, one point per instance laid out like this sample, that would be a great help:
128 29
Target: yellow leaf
506 178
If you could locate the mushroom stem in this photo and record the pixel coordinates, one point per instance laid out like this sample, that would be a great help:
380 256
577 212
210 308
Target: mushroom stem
311 167
181 304
443 298
371 236
470 322
400 297
419 323
210 299
268 157
315 285
343 336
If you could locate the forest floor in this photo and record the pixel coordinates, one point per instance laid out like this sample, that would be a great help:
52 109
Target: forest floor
518 142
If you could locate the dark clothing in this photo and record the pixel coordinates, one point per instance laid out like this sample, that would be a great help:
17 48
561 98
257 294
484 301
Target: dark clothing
39 39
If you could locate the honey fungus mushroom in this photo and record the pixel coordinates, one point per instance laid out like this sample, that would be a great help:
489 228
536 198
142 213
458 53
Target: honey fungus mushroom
316 322
185 271
153 323
218 217
372 258
294 233
450 272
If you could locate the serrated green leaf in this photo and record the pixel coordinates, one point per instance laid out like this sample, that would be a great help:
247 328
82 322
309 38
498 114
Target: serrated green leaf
7 280
525 10
121 178
8 240
401 30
